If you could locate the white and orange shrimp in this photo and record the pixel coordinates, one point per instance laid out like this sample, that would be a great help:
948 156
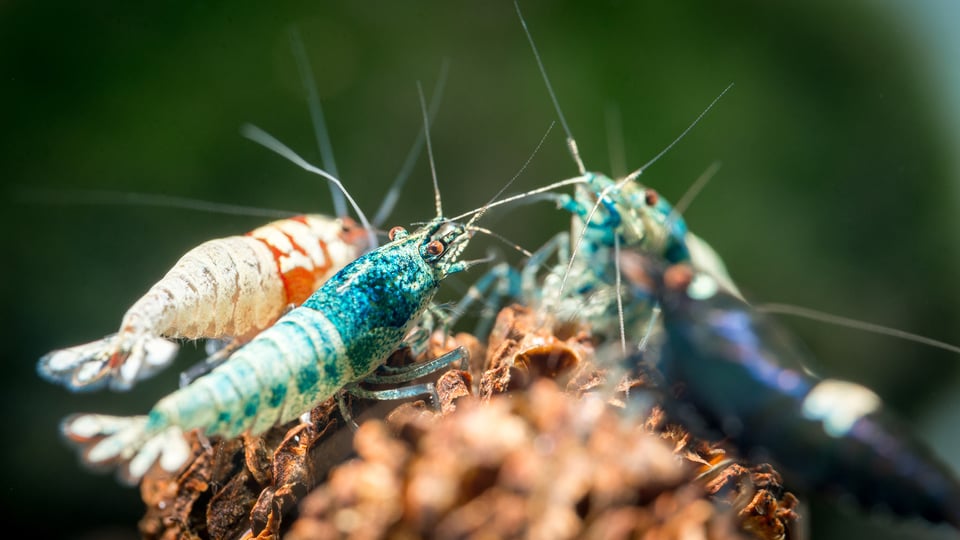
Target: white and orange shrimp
231 287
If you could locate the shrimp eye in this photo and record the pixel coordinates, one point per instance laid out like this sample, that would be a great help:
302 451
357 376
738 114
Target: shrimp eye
394 232
651 197
435 248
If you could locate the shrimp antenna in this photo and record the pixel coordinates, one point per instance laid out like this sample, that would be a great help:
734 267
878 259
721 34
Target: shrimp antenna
75 197
623 332
638 172
502 238
390 199
692 192
492 204
529 194
807 313
316 117
433 166
270 142
571 142
483 209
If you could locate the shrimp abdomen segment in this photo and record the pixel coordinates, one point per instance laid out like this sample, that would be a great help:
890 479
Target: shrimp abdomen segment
290 367
224 287
307 250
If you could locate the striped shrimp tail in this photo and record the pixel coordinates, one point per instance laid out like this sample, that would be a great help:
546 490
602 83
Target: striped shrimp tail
93 365
126 443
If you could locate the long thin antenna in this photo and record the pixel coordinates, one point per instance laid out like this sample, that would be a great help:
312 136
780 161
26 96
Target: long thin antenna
75 197
316 117
695 189
556 185
571 142
616 259
503 239
433 166
638 172
807 313
523 167
390 199
268 141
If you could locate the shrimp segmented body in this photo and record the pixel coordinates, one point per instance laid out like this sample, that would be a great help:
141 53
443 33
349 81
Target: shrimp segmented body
340 335
227 288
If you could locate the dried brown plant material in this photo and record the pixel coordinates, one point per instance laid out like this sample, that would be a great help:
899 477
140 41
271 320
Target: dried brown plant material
174 505
237 487
539 464
522 347
756 493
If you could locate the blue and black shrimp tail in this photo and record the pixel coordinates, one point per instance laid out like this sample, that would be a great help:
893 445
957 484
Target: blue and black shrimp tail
744 378
880 462
127 443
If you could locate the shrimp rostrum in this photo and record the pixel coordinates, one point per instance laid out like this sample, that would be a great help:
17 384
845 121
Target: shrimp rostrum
227 288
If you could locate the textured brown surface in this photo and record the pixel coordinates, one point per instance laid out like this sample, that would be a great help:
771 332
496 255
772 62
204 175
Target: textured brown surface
240 486
522 444
522 348
540 463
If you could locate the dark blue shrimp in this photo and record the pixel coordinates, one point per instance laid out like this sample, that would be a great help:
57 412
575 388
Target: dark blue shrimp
742 378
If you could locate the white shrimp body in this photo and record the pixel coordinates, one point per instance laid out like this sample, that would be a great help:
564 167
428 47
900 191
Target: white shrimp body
231 287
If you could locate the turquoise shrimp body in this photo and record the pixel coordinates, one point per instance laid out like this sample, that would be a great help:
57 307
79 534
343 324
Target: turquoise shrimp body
609 215
628 214
637 214
340 335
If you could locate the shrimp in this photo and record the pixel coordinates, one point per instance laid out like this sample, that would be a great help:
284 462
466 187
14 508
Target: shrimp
744 379
227 287
608 215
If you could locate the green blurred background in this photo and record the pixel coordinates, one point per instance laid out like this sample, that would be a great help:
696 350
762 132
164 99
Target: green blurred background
839 188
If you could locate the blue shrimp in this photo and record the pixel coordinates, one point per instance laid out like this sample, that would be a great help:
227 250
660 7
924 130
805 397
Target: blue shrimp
743 378
338 337
608 215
